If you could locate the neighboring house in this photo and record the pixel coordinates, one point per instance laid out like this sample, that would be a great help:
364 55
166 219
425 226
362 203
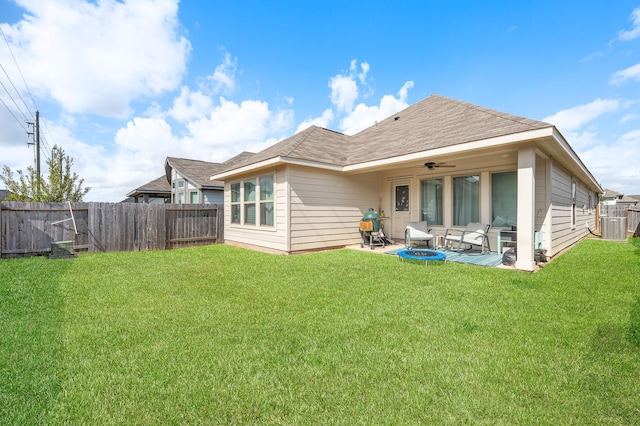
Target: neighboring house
627 200
190 181
309 191
3 194
610 197
155 192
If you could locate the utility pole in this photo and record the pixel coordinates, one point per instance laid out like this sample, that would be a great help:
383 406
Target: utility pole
33 140
37 131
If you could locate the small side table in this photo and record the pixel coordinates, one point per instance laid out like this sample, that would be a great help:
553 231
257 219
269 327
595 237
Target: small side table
505 237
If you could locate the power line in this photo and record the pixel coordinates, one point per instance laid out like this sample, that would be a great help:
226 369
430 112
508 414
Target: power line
14 116
11 97
44 140
36 133
44 135
21 75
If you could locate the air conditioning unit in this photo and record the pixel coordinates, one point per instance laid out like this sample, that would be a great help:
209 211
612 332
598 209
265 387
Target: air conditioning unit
614 228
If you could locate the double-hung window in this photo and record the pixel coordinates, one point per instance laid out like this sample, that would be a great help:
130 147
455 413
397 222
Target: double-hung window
249 202
466 200
573 204
266 200
236 205
252 201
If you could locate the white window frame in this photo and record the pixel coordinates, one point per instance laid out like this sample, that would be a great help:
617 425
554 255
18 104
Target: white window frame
191 194
574 195
237 203
257 202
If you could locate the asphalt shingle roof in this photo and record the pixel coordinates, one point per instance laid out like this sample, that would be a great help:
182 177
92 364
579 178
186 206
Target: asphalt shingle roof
157 185
434 122
314 143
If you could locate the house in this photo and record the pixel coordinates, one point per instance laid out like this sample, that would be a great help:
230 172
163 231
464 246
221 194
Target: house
155 192
628 200
190 183
441 160
613 198
4 193
610 197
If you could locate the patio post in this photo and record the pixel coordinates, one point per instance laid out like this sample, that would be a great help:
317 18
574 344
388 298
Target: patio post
526 208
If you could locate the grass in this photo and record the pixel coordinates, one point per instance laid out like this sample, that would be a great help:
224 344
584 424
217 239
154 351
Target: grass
222 335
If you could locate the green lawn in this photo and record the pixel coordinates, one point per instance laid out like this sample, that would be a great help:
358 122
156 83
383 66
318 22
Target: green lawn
222 335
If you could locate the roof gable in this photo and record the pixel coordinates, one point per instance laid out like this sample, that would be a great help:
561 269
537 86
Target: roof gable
198 172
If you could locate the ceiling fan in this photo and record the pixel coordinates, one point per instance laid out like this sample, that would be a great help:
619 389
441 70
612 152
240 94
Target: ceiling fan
431 165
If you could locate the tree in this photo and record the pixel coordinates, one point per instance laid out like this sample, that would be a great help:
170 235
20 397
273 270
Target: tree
61 185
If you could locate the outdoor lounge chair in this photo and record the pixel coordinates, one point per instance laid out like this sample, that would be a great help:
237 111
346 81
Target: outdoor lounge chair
475 234
417 231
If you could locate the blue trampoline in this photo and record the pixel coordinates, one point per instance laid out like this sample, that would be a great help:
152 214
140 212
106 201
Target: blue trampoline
426 255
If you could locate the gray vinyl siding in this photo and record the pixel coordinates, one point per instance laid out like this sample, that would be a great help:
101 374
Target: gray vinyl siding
541 193
563 234
326 207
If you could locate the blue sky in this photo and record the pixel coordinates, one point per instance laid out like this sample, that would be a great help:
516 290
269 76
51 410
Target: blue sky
122 85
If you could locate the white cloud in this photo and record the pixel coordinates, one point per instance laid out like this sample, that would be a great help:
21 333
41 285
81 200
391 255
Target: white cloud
364 116
611 166
98 57
323 121
236 124
190 105
627 74
344 92
573 118
223 79
634 32
629 117
362 76
16 157
344 87
582 140
145 135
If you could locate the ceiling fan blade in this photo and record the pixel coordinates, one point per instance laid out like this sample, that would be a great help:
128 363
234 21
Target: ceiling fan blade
432 165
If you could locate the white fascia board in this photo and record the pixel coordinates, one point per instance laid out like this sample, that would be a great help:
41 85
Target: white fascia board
273 162
455 149
309 163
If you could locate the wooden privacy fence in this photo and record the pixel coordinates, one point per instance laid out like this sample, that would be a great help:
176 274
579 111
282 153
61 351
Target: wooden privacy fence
633 221
28 229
